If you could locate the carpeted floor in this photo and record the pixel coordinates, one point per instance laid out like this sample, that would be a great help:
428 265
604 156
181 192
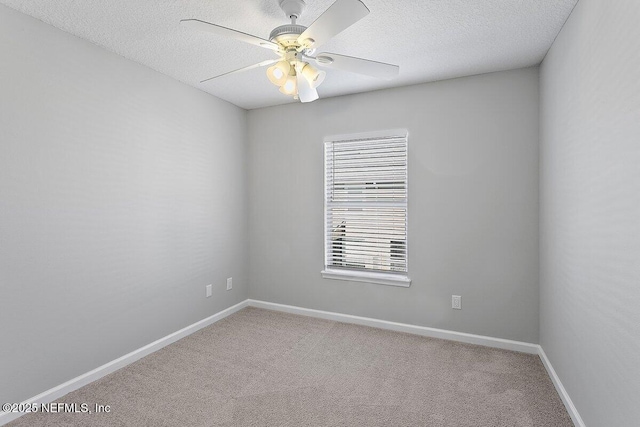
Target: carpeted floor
264 368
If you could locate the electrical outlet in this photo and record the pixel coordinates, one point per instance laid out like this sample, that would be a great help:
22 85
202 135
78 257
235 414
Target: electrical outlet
456 302
229 283
209 290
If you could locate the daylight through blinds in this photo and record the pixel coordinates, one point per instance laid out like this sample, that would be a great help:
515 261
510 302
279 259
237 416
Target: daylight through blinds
366 204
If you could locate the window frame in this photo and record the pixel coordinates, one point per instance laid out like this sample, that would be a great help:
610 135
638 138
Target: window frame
391 279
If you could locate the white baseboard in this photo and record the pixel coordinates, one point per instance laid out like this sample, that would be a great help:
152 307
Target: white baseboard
84 379
568 403
522 347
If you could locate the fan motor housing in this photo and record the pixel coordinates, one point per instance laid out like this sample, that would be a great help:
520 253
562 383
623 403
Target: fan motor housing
287 35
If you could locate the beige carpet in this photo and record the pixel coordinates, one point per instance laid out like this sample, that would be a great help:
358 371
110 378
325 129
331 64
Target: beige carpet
264 368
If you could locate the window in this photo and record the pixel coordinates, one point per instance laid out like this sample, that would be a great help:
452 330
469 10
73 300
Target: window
366 208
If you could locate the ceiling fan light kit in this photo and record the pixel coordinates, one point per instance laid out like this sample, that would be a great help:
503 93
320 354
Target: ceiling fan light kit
296 45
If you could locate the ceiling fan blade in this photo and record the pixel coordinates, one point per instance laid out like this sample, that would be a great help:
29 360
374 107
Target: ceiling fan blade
340 15
305 92
240 70
358 65
228 32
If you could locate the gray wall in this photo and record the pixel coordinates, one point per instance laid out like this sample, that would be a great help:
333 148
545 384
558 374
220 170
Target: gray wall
473 203
590 210
122 194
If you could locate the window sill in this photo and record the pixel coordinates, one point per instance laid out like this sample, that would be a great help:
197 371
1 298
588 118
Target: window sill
362 276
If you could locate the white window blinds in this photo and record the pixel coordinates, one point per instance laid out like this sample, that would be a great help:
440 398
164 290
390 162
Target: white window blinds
366 203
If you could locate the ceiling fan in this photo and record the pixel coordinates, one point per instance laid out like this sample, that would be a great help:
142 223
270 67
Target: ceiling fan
296 45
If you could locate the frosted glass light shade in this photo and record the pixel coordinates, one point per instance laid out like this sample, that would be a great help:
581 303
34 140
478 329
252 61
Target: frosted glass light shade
313 76
290 87
278 73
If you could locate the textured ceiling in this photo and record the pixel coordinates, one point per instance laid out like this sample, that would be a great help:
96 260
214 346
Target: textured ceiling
429 39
